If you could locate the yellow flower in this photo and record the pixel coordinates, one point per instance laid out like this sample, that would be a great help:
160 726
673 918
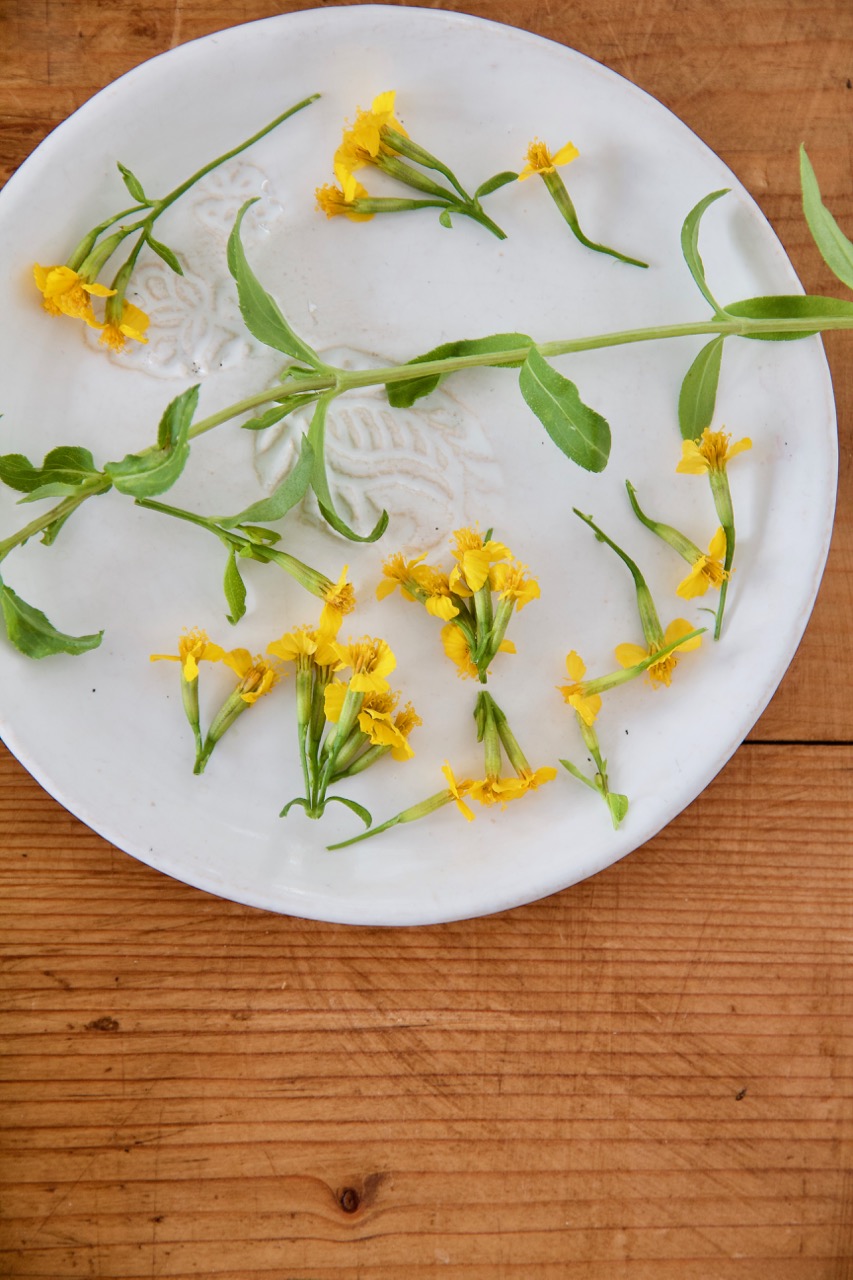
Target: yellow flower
306 646
458 791
494 790
628 655
540 160
339 600
707 571
710 453
193 647
475 557
402 573
333 201
371 661
133 324
366 133
510 582
67 293
385 732
530 779
586 705
257 676
456 648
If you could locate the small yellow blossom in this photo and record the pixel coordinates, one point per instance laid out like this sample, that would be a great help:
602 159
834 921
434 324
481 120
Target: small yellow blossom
494 790
257 676
531 779
371 661
628 655
385 732
193 647
586 705
400 572
67 293
306 646
711 452
475 557
458 790
339 600
456 648
333 201
133 324
509 581
540 160
707 571
366 133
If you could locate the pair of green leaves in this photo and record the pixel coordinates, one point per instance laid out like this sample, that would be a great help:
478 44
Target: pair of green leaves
578 431
697 398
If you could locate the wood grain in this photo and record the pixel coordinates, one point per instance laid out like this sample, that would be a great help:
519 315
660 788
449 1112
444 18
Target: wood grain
646 1077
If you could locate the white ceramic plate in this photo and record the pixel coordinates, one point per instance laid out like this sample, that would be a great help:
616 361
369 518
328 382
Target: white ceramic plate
104 733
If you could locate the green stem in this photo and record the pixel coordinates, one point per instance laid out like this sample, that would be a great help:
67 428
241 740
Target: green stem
60 512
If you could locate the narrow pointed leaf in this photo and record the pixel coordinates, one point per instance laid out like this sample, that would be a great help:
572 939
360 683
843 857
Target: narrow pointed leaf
144 475
320 482
690 246
495 183
235 589
698 395
790 307
577 430
163 251
402 395
359 809
34 634
286 494
133 184
261 313
835 249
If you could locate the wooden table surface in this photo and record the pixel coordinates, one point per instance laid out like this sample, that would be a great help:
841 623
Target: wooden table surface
647 1076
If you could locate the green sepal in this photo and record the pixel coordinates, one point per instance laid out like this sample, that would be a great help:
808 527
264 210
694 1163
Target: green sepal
698 396
143 475
402 395
34 634
320 482
790 307
67 465
286 494
163 251
358 809
835 249
235 589
690 247
132 183
494 184
260 312
577 430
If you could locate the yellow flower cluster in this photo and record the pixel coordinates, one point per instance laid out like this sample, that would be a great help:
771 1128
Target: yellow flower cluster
475 623
66 292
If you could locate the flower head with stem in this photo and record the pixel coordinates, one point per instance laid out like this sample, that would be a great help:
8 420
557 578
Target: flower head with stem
680 635
710 455
194 646
707 569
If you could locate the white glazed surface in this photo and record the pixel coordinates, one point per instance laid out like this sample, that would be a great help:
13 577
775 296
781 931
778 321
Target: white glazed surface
105 734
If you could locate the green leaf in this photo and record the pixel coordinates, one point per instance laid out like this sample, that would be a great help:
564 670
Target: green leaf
495 183
359 809
402 395
320 482
256 533
143 475
698 395
66 464
578 431
835 249
56 489
690 246
163 251
790 307
34 634
235 589
445 219
618 806
286 494
576 773
133 184
260 312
